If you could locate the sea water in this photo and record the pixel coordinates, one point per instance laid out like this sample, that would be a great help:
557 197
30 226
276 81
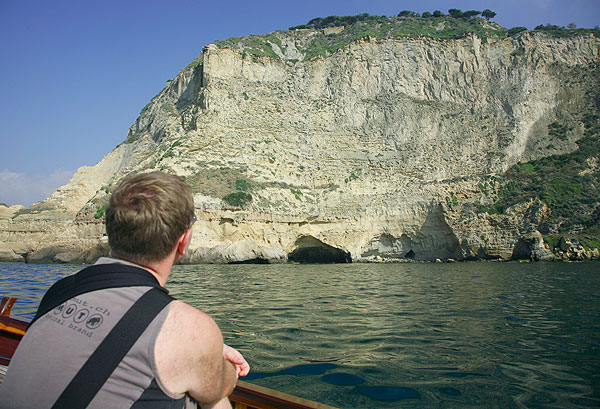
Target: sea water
414 335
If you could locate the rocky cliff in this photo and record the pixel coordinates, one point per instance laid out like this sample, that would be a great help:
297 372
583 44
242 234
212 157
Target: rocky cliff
386 148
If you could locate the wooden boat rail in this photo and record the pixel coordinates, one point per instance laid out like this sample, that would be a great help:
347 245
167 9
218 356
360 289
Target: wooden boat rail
249 396
245 395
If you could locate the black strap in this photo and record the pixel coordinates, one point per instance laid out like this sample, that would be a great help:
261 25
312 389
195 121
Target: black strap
92 278
111 351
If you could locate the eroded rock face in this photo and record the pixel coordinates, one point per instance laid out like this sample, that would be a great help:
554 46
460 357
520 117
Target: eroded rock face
7 212
531 247
386 149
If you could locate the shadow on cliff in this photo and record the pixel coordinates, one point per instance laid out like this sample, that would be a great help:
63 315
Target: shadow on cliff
434 240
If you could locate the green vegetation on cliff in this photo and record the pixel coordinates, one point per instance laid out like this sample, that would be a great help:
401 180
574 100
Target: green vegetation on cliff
330 34
100 212
558 31
461 23
568 183
395 27
217 182
254 45
335 21
238 199
195 63
363 26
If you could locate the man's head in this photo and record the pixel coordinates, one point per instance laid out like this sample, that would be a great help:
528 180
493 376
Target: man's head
147 214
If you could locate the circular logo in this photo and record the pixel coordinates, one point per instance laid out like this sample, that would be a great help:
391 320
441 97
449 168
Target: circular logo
81 315
59 309
94 321
69 311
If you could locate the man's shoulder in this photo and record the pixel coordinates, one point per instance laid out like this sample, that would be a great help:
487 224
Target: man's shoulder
182 313
186 326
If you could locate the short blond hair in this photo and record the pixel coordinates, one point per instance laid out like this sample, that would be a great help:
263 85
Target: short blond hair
147 214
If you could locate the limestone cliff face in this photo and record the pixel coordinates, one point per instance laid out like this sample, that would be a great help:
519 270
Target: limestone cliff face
384 149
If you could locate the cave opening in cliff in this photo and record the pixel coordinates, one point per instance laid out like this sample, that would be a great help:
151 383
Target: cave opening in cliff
310 250
411 254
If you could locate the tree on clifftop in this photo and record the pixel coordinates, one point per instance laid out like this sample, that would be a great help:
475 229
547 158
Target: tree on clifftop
488 14
456 13
407 13
471 13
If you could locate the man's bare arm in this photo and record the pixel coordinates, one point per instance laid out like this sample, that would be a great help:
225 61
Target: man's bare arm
190 358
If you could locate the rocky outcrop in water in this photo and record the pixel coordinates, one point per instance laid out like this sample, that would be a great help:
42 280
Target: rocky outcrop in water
387 149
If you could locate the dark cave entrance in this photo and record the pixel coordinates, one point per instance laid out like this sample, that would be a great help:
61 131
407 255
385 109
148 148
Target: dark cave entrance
258 260
310 250
411 255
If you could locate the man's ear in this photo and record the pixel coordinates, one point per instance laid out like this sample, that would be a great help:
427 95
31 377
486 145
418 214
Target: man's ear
183 242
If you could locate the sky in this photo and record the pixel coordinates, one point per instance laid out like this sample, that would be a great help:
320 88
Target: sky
74 75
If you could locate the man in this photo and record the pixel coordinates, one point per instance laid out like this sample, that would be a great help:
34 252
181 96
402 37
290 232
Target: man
86 320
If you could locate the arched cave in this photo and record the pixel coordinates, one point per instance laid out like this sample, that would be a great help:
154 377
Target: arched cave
411 254
310 250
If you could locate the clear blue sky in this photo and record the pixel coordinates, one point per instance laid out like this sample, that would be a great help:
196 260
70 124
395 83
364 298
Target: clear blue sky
75 74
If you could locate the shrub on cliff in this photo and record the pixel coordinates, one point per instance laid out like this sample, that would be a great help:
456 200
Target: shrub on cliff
238 199
515 30
558 31
100 212
242 185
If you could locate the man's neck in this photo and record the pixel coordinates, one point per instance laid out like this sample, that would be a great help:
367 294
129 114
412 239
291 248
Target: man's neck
160 270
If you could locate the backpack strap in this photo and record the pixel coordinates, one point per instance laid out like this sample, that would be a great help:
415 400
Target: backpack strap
111 351
92 278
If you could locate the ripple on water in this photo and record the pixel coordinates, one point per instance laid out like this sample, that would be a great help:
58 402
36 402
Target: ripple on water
389 392
29 282
423 333
307 369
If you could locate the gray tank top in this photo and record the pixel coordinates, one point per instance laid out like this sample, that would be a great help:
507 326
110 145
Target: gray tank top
59 343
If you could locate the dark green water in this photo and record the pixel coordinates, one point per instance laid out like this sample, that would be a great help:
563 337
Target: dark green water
416 335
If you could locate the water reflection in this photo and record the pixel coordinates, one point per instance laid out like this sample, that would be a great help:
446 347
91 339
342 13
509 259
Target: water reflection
453 335
399 335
